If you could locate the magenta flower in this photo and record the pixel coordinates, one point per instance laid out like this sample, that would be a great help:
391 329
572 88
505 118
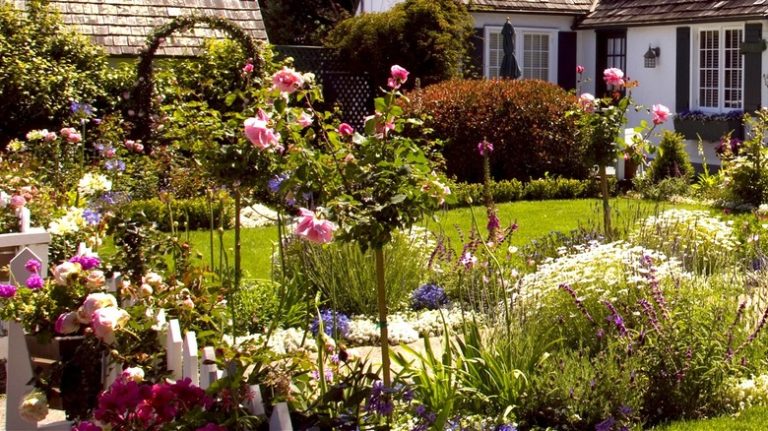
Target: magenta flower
7 291
86 426
346 130
314 229
17 201
35 282
248 68
660 114
579 69
614 77
398 75
287 80
261 136
33 265
210 426
484 148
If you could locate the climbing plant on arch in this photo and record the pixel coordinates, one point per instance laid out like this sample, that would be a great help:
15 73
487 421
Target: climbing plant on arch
144 88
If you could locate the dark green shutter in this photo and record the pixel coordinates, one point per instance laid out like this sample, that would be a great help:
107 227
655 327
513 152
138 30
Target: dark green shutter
753 68
683 70
566 59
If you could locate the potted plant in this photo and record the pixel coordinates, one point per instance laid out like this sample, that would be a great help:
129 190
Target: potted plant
710 127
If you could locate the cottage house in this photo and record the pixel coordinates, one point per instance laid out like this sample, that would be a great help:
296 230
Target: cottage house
690 55
122 26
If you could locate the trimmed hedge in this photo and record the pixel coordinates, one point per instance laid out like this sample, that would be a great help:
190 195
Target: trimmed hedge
541 189
192 212
525 120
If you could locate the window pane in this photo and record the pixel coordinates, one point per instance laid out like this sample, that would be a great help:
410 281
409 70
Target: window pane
709 69
733 70
535 59
495 53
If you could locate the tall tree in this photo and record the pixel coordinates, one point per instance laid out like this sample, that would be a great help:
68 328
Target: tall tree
303 22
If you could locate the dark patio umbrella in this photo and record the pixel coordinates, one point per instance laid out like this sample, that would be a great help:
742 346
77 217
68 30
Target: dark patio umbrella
509 67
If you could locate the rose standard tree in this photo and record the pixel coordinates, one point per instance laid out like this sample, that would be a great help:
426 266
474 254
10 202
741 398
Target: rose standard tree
369 183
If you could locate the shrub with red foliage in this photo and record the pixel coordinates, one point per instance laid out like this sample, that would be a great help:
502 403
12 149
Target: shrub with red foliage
524 119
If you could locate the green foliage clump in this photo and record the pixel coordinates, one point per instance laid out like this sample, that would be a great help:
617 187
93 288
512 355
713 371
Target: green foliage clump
303 22
43 68
345 275
428 37
188 213
747 173
525 121
672 160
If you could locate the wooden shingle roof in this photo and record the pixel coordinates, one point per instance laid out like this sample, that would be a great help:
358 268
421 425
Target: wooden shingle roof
622 13
575 7
122 26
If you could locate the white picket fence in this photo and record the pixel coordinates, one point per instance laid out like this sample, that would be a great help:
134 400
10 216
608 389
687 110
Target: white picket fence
183 355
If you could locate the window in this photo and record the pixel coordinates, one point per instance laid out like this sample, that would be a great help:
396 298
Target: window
611 52
534 51
720 69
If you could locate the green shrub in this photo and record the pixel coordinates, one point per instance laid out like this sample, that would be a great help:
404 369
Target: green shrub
345 275
525 121
747 175
428 37
194 213
663 190
258 304
541 189
43 67
672 160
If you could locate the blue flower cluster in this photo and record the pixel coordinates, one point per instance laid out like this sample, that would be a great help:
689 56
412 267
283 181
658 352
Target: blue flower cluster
429 296
334 324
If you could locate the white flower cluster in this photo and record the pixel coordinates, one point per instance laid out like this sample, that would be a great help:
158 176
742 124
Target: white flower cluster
599 269
91 184
406 327
746 393
696 229
70 222
257 215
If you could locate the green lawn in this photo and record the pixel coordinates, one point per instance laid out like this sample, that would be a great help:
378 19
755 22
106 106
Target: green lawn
754 419
534 218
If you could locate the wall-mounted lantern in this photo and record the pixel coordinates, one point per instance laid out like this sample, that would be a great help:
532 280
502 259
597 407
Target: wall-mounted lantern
651 56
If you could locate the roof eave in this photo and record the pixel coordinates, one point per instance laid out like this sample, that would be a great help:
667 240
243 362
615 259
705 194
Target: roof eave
569 12
625 24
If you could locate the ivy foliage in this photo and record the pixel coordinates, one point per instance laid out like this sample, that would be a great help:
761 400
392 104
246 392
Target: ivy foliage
43 68
430 38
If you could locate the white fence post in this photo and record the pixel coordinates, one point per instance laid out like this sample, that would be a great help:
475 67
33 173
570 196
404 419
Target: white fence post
173 348
191 361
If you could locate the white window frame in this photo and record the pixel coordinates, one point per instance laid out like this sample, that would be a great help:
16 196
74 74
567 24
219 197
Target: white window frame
519 46
695 69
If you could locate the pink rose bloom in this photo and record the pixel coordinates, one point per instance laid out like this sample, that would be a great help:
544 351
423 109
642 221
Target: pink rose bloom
94 302
614 76
398 76
579 69
74 138
67 323
287 80
314 229
65 132
261 136
587 102
64 271
106 321
304 120
18 201
660 114
248 68
346 130
50 136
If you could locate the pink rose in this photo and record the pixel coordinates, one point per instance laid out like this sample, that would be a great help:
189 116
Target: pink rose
94 302
587 102
248 68
67 323
287 80
660 114
50 137
614 77
18 201
106 321
579 69
74 138
65 132
314 229
304 120
346 130
259 134
398 76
